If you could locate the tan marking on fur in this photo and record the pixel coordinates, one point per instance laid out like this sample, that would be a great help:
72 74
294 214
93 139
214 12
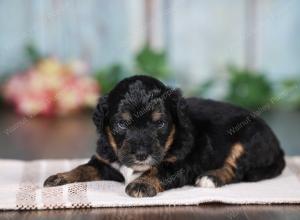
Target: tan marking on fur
227 172
98 157
111 139
150 177
235 153
126 116
170 138
156 116
81 174
171 159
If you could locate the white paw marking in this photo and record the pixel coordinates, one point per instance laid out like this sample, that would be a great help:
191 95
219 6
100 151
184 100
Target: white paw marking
205 182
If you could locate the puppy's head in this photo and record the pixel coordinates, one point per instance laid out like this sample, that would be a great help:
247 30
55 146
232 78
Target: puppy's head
139 118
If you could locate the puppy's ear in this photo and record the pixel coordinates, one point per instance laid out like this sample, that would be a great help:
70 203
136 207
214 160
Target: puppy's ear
100 114
104 149
179 108
184 129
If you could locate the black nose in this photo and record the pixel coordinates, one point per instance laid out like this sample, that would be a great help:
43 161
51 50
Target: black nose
141 156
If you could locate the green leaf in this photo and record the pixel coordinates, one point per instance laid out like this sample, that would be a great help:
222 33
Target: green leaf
150 62
202 89
110 76
248 88
33 54
289 91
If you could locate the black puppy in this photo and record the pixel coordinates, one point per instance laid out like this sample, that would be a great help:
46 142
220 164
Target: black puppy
167 141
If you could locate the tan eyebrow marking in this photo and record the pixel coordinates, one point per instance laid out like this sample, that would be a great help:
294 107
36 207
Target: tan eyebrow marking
171 159
156 116
126 116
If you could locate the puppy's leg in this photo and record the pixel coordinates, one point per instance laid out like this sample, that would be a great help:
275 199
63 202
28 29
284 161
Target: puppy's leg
230 172
95 169
155 180
147 185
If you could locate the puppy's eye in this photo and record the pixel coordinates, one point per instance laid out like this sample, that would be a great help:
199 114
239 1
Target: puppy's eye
160 124
122 125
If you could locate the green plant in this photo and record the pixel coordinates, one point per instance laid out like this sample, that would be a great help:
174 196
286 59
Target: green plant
202 89
248 88
289 95
32 53
110 76
151 62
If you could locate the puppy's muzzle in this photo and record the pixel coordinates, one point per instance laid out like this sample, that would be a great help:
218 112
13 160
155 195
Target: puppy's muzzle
141 155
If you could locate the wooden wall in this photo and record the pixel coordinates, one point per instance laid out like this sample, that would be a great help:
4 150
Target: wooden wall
201 37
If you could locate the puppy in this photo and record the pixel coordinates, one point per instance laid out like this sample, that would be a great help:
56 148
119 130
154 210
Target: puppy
149 132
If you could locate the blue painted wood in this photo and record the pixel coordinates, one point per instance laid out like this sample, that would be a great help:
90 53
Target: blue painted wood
96 30
202 37
279 38
13 31
205 37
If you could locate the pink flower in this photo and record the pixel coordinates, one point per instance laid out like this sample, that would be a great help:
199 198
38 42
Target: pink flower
51 88
35 104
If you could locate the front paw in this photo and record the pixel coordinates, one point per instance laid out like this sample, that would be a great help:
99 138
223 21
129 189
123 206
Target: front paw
55 180
140 189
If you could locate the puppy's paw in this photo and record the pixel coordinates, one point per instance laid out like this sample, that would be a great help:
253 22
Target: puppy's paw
55 180
206 182
140 189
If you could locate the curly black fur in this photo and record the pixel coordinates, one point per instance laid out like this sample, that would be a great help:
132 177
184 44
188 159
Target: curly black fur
177 141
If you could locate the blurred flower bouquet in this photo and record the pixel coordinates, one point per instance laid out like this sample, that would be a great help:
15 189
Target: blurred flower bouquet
51 88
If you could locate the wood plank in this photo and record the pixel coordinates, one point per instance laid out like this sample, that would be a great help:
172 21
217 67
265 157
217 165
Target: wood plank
208 211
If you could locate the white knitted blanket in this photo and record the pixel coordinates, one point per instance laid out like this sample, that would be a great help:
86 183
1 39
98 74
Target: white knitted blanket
21 188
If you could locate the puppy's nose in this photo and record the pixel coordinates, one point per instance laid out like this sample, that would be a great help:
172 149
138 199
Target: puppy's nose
141 155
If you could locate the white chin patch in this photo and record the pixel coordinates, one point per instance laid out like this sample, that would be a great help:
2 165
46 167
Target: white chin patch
129 174
140 168
205 182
